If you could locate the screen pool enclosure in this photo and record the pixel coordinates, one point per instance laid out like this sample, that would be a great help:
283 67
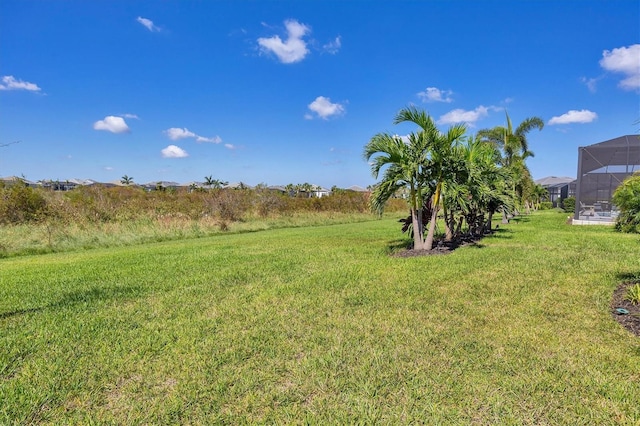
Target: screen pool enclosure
601 169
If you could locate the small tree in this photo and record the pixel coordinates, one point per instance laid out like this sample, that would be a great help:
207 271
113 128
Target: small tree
627 198
569 204
126 180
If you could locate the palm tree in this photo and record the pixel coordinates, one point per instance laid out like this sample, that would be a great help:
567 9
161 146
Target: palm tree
126 180
417 163
439 168
307 188
214 183
404 162
540 193
515 150
485 189
290 189
444 169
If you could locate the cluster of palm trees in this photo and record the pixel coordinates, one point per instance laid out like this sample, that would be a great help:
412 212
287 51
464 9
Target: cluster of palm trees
465 178
301 189
212 183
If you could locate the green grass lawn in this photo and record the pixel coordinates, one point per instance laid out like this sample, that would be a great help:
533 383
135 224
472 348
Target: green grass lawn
320 325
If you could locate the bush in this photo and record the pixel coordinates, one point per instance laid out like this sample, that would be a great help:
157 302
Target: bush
546 205
229 204
20 204
627 198
569 204
269 202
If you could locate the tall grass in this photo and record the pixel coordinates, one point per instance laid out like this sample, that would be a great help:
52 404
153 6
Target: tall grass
321 325
42 221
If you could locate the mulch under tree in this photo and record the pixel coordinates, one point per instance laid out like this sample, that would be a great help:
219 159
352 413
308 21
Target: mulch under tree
630 321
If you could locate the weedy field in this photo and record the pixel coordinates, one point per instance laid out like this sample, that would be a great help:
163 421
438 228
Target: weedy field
323 325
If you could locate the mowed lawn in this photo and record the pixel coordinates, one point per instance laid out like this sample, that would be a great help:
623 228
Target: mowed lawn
321 325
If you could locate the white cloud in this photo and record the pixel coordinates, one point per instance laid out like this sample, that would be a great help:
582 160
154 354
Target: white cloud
176 133
333 46
462 116
215 139
573 116
433 94
10 83
294 49
148 24
229 146
112 124
625 60
173 151
134 116
591 83
324 108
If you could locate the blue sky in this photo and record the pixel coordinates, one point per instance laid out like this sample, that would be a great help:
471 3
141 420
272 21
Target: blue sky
281 92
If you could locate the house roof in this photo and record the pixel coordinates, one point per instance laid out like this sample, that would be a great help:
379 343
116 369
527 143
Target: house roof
164 183
357 188
554 180
13 179
236 185
620 141
622 151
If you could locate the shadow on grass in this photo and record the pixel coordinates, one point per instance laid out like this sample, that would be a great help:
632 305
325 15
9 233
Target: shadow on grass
501 233
92 295
403 247
520 219
399 245
628 276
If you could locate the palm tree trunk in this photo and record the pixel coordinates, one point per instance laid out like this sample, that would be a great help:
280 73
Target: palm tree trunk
505 219
428 244
448 223
488 225
416 221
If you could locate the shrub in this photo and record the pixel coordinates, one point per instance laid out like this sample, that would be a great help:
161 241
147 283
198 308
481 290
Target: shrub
20 204
229 204
268 202
627 198
546 205
633 294
569 204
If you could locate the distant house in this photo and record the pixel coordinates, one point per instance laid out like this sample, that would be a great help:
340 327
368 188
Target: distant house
12 180
58 185
601 169
238 185
357 188
194 186
319 191
160 185
558 188
277 188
